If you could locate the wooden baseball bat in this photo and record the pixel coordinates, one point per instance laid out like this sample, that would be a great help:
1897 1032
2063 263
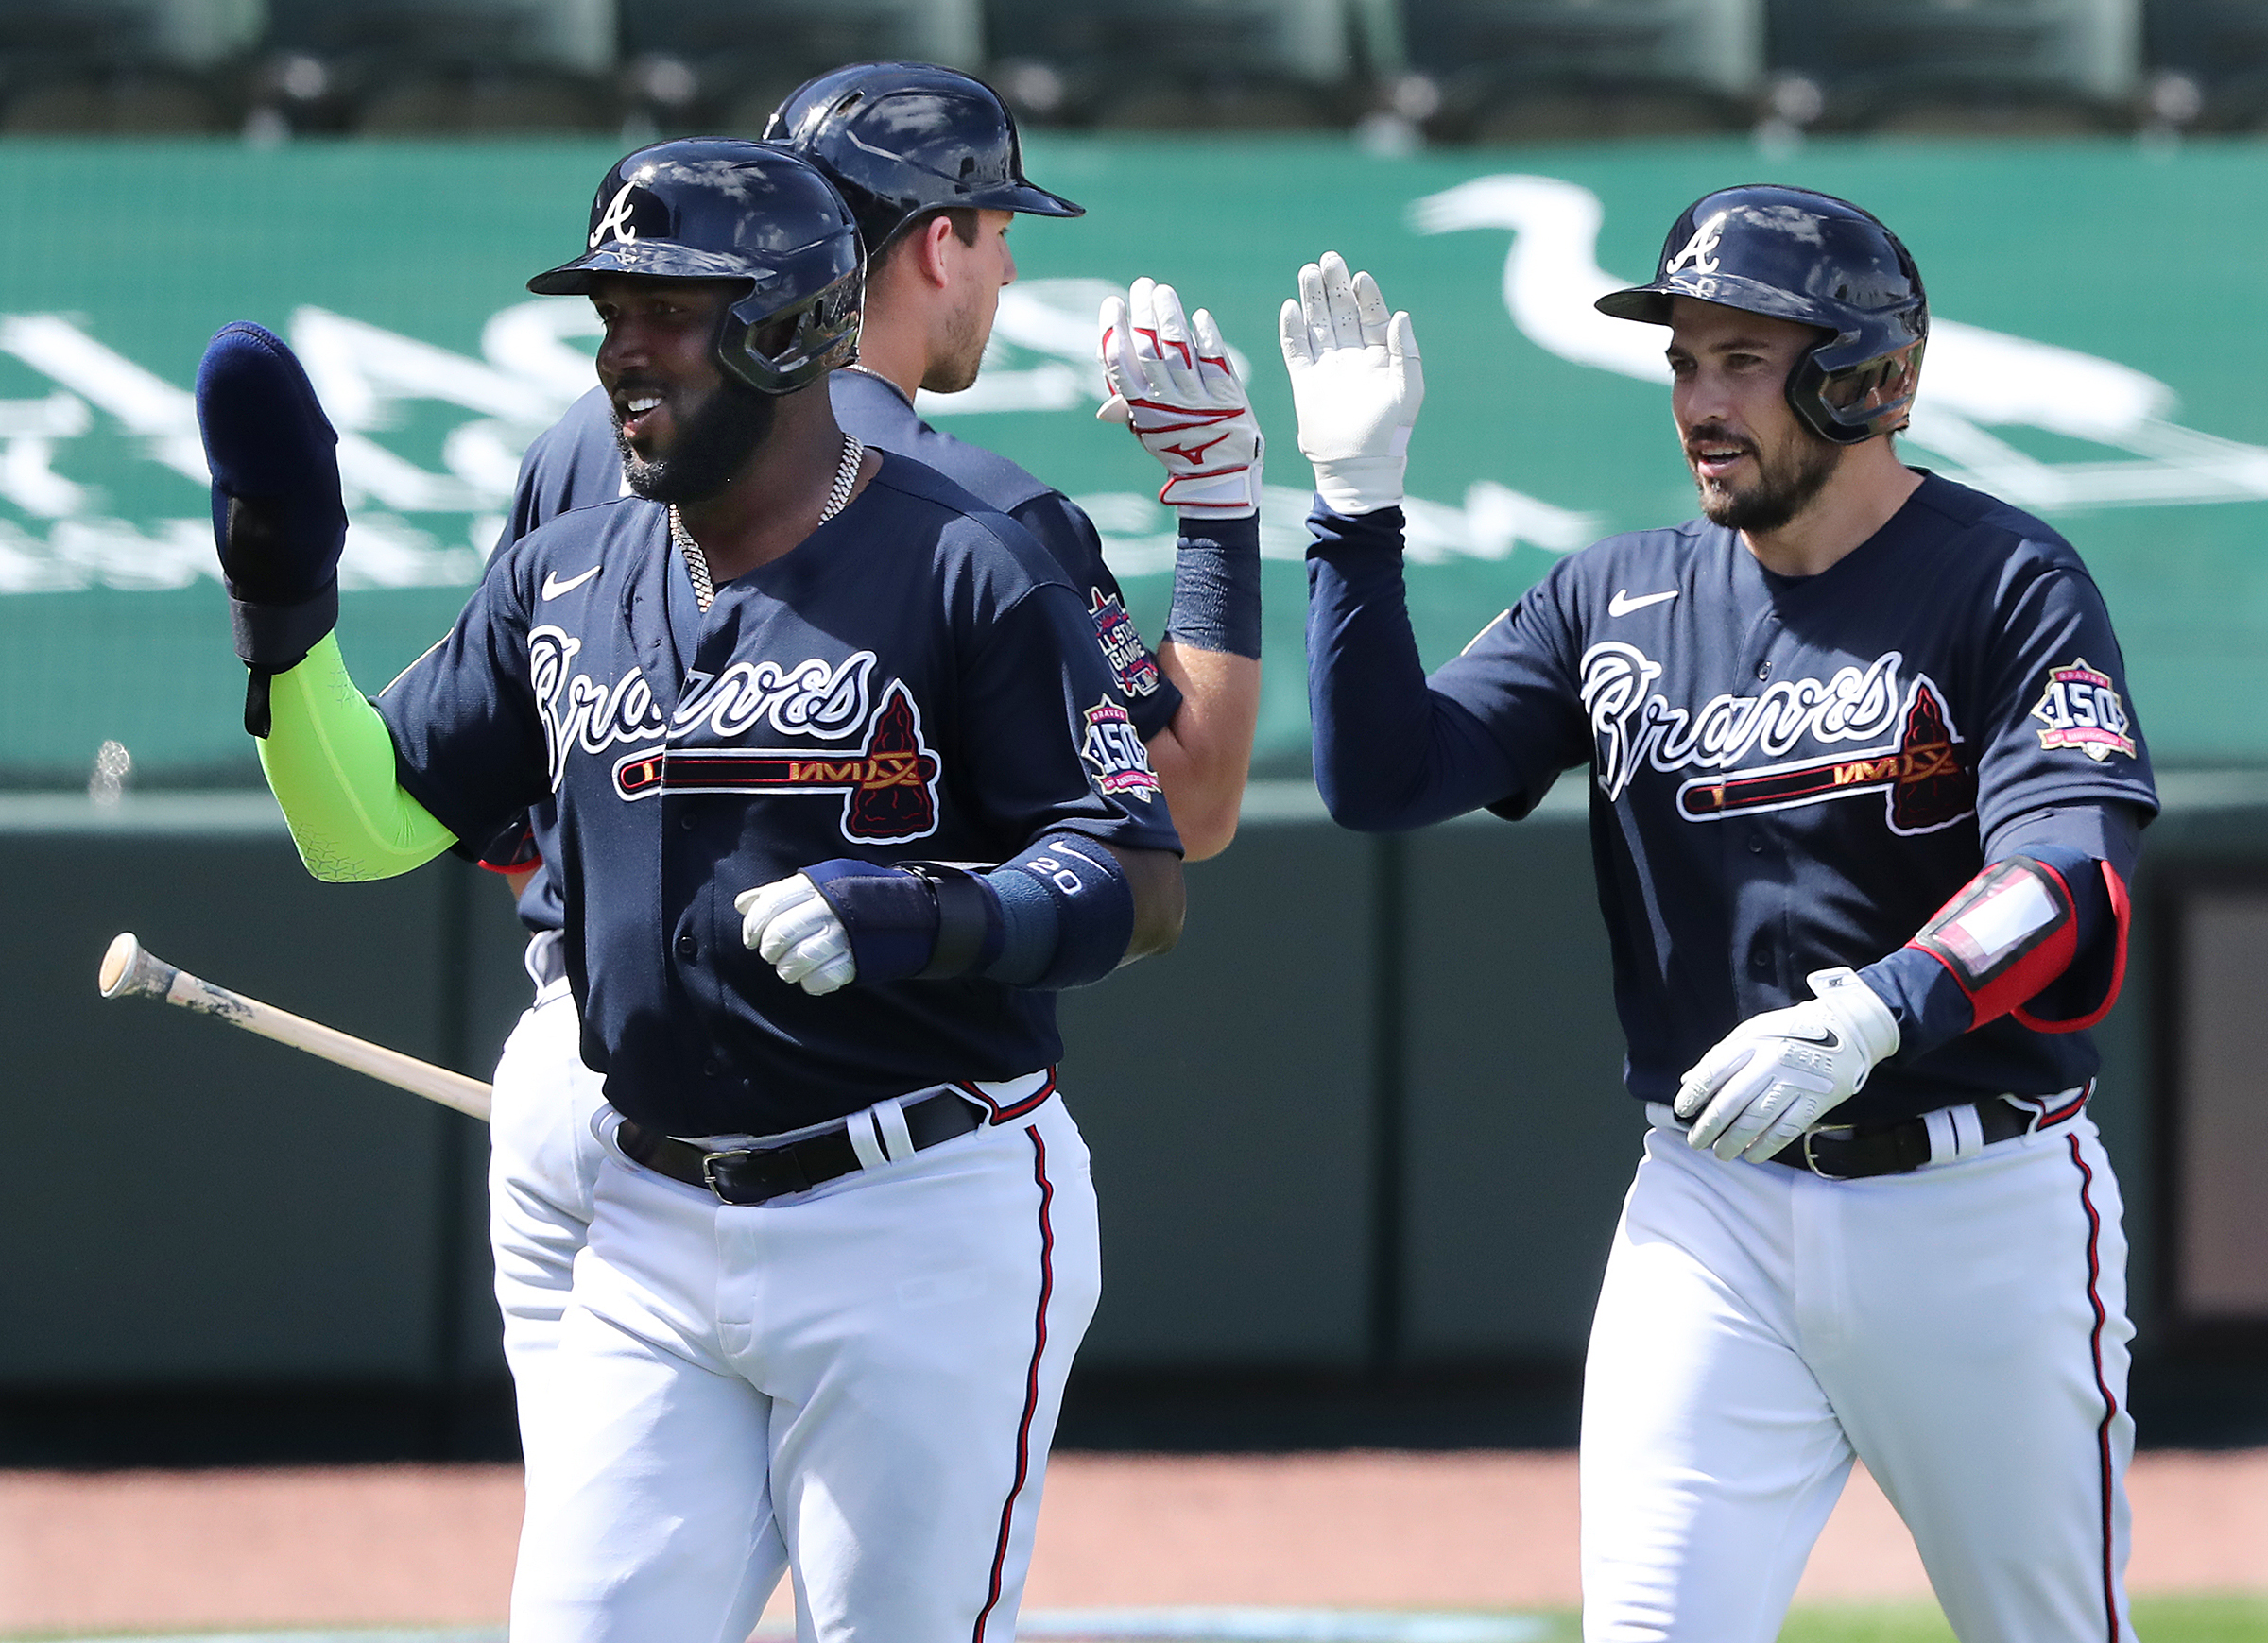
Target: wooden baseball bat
129 969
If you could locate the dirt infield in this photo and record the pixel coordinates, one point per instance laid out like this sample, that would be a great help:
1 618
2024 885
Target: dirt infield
409 1545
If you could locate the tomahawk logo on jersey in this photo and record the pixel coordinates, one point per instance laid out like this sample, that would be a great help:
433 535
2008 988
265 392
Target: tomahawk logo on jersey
916 681
1755 732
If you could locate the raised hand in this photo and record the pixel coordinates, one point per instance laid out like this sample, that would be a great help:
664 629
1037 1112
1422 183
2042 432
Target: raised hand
1171 381
1356 382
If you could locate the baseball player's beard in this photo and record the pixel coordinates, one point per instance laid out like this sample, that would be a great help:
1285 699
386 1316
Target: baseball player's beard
961 357
713 444
1783 489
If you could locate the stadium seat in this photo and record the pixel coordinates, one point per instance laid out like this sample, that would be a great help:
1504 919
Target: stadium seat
725 64
1173 64
2209 61
1509 69
1962 65
395 66
120 65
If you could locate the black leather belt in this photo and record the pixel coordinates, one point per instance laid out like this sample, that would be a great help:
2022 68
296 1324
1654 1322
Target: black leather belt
756 1174
1847 1152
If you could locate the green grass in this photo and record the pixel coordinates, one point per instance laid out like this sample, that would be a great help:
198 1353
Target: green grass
2185 1619
2229 1619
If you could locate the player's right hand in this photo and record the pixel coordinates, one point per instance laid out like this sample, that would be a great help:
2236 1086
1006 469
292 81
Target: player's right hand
1356 382
789 925
1776 1074
277 518
1171 381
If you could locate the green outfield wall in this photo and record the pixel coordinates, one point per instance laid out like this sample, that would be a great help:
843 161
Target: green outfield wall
2098 359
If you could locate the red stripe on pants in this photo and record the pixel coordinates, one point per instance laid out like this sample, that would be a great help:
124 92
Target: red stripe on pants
1031 1381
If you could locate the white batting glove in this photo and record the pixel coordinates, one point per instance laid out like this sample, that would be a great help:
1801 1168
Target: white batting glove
1357 383
790 926
1774 1076
1171 381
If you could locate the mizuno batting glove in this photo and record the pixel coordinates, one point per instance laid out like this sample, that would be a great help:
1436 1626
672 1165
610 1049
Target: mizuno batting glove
1171 381
1775 1076
1357 383
789 925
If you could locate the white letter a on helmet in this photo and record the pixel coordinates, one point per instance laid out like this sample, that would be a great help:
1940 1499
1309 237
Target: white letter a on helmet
1696 255
617 219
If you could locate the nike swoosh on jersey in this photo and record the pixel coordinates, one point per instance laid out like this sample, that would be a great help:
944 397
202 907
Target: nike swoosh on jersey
553 586
1622 604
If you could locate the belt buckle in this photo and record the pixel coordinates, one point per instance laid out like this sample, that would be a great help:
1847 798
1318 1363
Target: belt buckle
1810 1162
708 1161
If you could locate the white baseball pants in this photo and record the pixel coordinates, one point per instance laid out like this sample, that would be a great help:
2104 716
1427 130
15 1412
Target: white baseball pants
864 1379
1962 1328
542 1166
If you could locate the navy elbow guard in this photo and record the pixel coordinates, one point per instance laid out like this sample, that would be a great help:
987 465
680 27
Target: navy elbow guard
1060 915
1067 913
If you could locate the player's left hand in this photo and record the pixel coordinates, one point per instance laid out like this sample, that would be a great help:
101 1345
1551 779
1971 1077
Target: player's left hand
1171 381
789 925
1773 1076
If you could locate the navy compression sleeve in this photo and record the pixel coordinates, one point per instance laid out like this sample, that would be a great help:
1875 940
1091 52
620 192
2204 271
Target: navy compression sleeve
1390 753
1216 585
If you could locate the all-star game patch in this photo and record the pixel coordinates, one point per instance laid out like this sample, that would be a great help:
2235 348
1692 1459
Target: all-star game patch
2081 709
1115 755
1130 658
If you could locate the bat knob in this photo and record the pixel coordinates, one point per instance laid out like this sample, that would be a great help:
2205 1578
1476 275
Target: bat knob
129 969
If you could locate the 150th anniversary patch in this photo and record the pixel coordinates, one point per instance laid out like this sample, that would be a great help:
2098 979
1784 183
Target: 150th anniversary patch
1115 756
2081 709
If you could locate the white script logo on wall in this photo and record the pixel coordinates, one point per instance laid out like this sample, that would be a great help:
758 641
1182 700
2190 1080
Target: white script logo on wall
1974 380
417 523
411 525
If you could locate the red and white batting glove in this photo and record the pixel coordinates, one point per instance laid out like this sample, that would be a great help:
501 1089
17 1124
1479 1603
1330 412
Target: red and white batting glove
1171 381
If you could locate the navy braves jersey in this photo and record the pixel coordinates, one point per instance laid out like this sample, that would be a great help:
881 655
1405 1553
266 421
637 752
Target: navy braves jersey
1787 774
576 463
916 680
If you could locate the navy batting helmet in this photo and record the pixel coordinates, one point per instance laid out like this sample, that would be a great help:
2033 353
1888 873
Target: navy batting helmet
904 138
1819 261
723 208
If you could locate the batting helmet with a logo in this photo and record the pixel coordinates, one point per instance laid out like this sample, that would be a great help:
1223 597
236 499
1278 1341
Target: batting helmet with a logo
902 139
1816 260
723 208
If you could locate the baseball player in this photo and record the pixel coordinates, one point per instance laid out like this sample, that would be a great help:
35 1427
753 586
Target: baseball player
845 792
1864 792
929 161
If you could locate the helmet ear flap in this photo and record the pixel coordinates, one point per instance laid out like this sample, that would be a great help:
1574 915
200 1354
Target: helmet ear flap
784 349
1850 405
